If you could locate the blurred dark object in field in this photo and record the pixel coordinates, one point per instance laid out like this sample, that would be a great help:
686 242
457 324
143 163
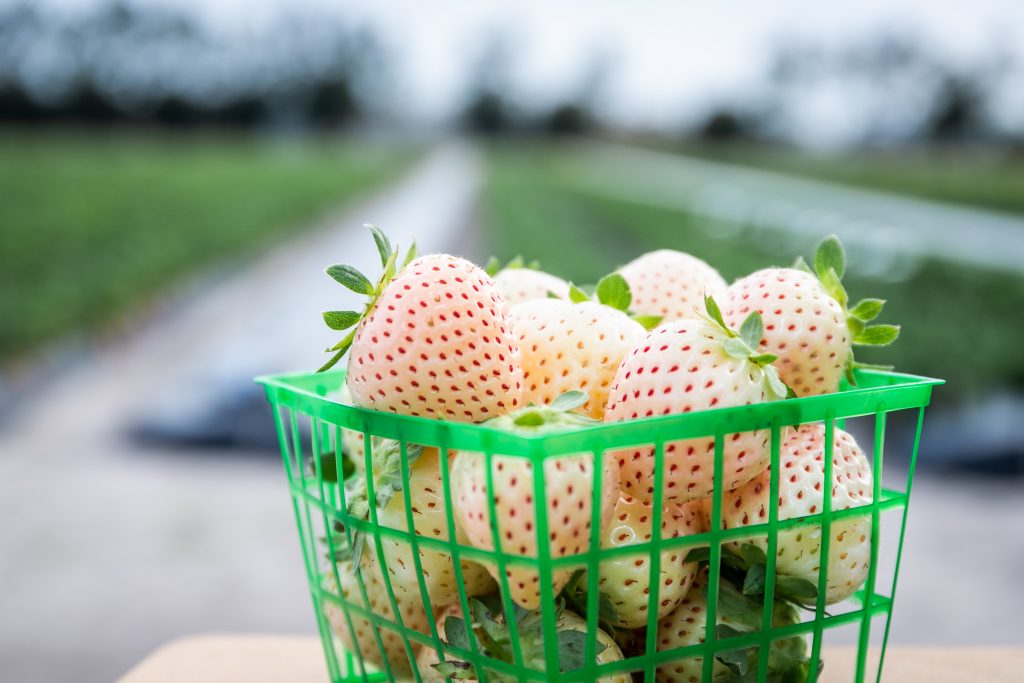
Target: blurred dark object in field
232 417
120 63
981 437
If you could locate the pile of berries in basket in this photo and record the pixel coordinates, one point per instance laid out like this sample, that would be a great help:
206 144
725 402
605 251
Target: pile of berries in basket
526 352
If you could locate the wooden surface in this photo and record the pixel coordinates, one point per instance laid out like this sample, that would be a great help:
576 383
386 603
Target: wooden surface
293 659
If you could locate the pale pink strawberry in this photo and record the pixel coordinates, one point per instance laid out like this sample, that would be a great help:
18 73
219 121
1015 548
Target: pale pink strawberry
802 473
566 346
803 326
626 579
671 284
568 481
526 284
434 341
356 632
427 503
806 322
681 367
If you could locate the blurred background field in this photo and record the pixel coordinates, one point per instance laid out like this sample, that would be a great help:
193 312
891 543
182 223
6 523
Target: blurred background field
174 174
97 221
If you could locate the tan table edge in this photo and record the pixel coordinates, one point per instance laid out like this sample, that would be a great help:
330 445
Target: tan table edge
232 658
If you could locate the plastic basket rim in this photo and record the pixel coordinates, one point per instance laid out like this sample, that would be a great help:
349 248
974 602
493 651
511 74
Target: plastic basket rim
876 390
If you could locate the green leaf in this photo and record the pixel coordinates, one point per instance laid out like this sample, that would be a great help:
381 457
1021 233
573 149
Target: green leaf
753 554
341 320
737 660
855 325
530 418
456 670
871 366
698 555
764 359
572 649
877 335
328 467
752 330
800 591
351 278
493 266
383 243
389 271
336 357
577 295
738 608
517 262
613 290
776 386
736 348
834 286
714 311
410 255
830 254
648 322
867 309
570 400
801 264
344 343
455 632
753 584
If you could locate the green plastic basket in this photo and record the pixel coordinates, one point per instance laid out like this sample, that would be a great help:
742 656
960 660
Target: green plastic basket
310 421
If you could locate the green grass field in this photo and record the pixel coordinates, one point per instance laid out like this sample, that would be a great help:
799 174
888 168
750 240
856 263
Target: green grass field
958 323
982 178
93 224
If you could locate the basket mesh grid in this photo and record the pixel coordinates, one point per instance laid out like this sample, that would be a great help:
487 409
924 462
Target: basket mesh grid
310 424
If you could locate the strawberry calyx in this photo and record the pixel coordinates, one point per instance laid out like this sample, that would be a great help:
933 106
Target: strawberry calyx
352 279
556 416
743 345
613 291
829 268
494 636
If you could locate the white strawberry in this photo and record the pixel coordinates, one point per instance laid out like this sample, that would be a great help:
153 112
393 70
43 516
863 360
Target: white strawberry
433 341
806 322
568 480
356 632
685 366
493 632
519 282
566 346
625 579
800 493
685 626
429 519
671 284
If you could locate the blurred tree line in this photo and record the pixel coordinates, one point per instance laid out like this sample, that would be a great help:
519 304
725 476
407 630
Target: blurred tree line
902 90
121 63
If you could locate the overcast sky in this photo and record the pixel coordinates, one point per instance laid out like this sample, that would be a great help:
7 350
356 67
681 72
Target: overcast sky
665 57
